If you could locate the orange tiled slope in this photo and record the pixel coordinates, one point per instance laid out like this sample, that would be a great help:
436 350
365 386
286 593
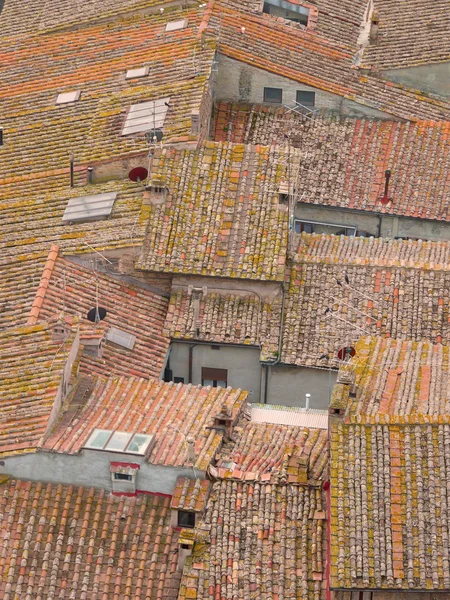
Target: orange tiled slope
347 158
72 289
316 61
39 135
31 368
190 494
221 217
226 318
172 412
74 542
428 25
395 289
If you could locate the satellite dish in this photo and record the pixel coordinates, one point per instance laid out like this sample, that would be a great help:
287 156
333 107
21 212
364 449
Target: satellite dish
346 353
96 314
138 174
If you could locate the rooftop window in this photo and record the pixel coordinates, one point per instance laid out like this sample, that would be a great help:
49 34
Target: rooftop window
305 98
121 338
186 519
328 228
287 10
135 73
146 116
119 441
176 25
68 97
89 208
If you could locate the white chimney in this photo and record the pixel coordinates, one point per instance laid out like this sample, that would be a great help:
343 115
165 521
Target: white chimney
307 399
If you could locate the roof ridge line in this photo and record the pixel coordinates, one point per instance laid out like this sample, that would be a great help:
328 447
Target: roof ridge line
43 286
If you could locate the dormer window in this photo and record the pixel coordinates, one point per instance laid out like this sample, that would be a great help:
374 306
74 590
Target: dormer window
186 519
287 10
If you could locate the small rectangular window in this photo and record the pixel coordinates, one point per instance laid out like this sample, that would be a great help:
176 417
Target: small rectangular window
178 379
186 519
274 95
307 99
287 10
214 377
123 477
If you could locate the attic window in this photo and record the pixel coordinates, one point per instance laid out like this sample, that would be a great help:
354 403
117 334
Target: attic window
287 10
186 519
135 73
121 338
68 97
119 441
305 98
89 208
123 477
273 95
146 116
328 228
176 25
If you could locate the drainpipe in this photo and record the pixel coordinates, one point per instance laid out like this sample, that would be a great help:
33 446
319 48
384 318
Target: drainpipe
191 352
280 344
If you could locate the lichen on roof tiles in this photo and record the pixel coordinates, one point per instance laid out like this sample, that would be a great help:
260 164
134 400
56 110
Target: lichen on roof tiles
240 318
221 216
52 535
190 494
172 412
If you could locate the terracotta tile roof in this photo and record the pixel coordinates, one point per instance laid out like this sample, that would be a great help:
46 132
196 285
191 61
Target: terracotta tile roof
240 318
172 412
31 368
389 506
18 283
42 216
94 58
276 453
342 162
314 60
399 378
72 289
83 543
395 289
190 494
221 217
428 25
259 540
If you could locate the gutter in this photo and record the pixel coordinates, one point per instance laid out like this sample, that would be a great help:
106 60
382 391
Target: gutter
268 364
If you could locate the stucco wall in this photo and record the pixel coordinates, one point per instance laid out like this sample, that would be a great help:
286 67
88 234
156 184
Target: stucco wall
287 386
239 82
242 364
91 469
434 79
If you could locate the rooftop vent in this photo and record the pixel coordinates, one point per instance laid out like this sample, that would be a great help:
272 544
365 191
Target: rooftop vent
121 338
176 25
135 73
89 208
146 116
68 97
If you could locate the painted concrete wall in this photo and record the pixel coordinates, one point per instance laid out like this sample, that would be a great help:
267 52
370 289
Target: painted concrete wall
287 386
239 82
434 79
90 468
369 224
242 364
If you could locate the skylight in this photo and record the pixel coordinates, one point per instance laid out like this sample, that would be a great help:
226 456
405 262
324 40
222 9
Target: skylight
121 338
68 97
89 208
119 441
176 25
135 73
146 116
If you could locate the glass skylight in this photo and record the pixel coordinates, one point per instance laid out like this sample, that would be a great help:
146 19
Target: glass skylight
119 441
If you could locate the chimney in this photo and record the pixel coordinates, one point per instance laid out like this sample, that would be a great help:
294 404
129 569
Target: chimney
195 122
385 198
307 400
90 171
185 547
374 30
